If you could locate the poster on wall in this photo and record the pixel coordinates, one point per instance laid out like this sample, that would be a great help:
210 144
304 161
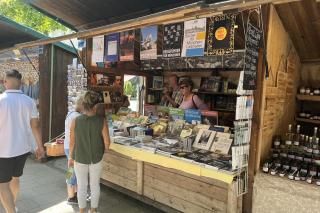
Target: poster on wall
253 38
127 40
194 37
112 47
97 50
149 38
220 40
172 40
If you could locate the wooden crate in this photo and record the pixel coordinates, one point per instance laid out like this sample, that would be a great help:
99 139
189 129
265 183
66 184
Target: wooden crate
54 149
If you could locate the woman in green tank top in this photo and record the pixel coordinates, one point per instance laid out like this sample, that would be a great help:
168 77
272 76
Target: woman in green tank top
89 138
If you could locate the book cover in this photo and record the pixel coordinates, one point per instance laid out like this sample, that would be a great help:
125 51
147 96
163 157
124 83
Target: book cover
194 37
193 116
176 113
172 40
106 97
220 40
97 50
157 82
127 43
204 139
149 38
221 145
209 117
211 84
150 110
112 47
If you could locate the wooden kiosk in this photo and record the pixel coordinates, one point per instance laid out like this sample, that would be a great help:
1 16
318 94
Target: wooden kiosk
176 186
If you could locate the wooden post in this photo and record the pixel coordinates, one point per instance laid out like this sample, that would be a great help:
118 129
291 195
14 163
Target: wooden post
140 168
247 198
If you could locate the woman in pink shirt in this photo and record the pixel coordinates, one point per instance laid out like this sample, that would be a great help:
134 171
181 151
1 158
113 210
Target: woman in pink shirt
190 100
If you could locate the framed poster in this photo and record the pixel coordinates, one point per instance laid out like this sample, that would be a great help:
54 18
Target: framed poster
97 50
112 47
148 45
220 40
172 40
204 139
127 42
194 37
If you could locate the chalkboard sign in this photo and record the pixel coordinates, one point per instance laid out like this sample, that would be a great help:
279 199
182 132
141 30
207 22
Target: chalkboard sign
253 37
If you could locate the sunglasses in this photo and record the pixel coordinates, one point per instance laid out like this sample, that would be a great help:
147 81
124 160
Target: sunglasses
182 87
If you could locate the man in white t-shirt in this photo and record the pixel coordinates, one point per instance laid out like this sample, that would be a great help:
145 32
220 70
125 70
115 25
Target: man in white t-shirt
18 118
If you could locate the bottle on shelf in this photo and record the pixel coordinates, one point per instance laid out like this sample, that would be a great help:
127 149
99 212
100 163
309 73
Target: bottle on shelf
289 137
315 133
304 171
309 145
312 174
274 170
294 171
300 148
285 167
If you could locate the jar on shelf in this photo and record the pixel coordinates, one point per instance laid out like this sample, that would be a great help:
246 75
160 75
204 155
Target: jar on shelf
302 90
308 91
316 92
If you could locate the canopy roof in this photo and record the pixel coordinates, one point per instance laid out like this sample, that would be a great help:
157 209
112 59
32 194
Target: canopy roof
84 14
12 33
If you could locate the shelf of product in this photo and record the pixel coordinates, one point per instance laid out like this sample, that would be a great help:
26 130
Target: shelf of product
168 134
103 88
307 120
308 97
297 157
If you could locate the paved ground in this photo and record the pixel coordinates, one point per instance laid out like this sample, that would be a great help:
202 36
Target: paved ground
43 190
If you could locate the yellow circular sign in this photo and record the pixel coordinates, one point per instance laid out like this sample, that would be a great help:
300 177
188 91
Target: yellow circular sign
221 33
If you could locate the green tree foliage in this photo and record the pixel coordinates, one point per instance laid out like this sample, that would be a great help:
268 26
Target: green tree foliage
24 14
128 88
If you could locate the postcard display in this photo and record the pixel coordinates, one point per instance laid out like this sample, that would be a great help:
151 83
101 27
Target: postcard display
77 83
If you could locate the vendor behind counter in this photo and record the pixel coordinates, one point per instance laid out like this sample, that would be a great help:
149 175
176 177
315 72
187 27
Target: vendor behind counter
190 100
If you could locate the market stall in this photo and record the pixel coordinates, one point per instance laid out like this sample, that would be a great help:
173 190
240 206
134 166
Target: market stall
159 154
187 160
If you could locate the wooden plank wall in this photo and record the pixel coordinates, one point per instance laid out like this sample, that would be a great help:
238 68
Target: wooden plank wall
279 90
59 96
172 188
310 75
120 170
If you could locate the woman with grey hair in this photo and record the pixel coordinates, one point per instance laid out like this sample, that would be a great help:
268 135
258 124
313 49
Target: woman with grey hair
72 185
89 138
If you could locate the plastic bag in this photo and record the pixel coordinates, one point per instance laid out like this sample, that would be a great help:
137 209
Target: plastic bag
71 176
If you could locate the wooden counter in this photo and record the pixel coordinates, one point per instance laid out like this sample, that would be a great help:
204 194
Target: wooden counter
168 189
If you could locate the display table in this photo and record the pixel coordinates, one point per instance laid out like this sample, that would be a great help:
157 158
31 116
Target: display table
275 194
167 183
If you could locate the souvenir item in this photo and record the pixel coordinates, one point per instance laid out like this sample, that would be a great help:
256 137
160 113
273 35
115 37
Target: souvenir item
97 50
127 45
111 47
204 139
220 40
172 40
148 46
194 37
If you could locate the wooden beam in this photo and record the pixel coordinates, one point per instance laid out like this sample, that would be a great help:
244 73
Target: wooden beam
316 60
186 12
